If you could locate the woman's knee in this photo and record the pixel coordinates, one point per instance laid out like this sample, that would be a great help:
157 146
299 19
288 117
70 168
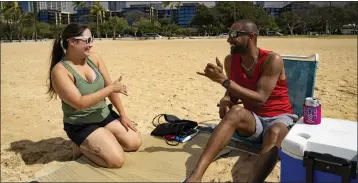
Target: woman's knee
134 144
115 160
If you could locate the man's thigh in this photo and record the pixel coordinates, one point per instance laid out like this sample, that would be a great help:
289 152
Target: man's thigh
247 123
286 119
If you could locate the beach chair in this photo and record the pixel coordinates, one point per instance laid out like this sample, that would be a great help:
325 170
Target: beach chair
301 75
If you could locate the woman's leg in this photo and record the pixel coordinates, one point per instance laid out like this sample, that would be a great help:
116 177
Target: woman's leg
76 151
102 147
129 140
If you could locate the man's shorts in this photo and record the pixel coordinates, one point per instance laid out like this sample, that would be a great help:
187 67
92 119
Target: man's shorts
264 123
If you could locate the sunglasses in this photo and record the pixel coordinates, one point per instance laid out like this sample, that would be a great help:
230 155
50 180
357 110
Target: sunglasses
235 34
88 40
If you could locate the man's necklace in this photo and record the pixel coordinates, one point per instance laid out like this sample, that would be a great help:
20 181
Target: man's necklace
253 63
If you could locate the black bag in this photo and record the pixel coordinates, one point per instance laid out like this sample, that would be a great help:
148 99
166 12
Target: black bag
173 126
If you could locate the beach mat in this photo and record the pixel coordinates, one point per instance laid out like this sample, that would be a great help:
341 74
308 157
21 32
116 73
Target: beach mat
155 161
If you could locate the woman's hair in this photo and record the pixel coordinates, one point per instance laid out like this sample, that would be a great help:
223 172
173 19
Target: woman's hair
60 44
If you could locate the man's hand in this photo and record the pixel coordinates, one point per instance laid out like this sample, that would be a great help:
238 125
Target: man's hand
224 106
214 72
127 123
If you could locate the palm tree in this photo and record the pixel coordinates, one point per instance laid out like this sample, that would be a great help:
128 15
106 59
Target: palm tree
30 19
117 23
171 4
97 10
78 5
13 15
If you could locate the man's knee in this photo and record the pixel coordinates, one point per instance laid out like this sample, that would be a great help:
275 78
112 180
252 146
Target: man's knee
276 133
235 113
236 117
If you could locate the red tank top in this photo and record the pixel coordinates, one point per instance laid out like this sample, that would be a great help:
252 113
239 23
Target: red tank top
277 103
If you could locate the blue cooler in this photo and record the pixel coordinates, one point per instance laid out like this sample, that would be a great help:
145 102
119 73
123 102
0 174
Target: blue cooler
320 153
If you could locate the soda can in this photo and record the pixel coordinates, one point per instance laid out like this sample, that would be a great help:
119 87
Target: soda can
312 111
310 101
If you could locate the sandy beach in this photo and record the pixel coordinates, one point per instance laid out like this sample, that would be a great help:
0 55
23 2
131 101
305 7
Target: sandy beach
161 78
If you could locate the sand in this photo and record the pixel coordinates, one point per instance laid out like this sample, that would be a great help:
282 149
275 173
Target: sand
161 78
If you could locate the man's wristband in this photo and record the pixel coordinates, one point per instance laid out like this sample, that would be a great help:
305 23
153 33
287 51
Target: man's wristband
226 83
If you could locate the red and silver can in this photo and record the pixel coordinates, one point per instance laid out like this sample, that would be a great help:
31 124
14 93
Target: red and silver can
312 111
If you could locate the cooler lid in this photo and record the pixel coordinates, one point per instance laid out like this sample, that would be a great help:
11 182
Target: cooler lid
333 136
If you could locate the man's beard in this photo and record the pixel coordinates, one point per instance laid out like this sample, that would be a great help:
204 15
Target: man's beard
239 49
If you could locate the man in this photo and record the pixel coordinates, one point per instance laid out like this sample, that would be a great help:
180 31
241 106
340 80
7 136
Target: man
257 78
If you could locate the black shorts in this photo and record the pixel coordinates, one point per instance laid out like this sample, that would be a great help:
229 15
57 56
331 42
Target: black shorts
79 133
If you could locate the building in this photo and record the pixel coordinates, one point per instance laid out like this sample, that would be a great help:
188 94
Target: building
186 12
167 14
56 17
299 7
25 6
303 6
88 4
50 16
65 6
35 6
116 6
147 9
274 8
82 15
29 6
67 18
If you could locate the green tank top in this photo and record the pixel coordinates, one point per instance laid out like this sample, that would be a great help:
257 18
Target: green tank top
93 114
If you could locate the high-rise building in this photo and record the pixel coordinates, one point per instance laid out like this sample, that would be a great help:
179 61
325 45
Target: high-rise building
50 16
169 14
186 12
116 5
88 4
31 6
150 11
273 8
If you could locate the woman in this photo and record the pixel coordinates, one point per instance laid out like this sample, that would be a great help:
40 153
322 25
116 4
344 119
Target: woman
80 78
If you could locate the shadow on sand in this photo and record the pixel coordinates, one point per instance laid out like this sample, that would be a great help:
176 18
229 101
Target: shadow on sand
43 151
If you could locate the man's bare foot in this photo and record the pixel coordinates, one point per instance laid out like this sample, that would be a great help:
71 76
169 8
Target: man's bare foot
192 179
76 151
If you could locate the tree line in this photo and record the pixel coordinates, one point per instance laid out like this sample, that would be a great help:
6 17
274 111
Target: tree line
307 17
15 24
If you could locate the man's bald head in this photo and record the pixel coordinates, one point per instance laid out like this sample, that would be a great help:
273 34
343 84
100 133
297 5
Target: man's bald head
247 26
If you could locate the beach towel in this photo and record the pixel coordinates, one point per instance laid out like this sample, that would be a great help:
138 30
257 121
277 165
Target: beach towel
155 161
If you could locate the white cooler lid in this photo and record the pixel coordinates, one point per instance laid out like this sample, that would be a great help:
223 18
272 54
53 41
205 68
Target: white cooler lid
333 136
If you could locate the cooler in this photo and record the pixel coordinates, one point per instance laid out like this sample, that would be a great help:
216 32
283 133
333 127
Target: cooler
320 153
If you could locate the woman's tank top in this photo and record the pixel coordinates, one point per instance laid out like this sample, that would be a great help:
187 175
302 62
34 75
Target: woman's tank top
94 114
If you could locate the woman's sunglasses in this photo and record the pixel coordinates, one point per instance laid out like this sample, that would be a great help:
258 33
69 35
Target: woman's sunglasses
87 39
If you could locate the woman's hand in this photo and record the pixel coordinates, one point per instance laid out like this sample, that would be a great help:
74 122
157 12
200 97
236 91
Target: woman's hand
127 123
119 87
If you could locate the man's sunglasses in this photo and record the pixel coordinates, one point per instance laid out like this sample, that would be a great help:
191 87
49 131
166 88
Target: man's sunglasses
235 34
87 39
